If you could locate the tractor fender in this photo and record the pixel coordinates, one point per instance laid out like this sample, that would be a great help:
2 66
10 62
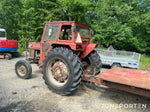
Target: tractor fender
88 50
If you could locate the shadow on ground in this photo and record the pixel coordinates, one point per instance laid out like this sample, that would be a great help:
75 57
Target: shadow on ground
121 97
18 107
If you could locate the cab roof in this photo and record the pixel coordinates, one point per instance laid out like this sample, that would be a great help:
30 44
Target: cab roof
68 22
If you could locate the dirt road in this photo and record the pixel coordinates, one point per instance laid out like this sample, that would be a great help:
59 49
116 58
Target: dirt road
32 95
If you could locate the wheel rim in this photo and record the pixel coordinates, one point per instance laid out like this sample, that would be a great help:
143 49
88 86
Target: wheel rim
57 71
21 70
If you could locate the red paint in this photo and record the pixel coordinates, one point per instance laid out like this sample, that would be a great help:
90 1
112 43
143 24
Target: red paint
136 78
34 45
8 43
129 80
84 49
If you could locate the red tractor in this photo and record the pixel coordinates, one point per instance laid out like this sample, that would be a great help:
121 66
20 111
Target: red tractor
66 55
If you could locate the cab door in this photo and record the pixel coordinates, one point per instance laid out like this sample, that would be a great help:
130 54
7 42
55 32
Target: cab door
49 36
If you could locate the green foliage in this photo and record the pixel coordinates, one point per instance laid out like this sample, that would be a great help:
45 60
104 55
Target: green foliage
34 14
9 16
144 63
125 24
23 43
75 10
122 24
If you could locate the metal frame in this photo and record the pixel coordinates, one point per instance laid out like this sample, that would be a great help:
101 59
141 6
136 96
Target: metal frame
124 58
132 87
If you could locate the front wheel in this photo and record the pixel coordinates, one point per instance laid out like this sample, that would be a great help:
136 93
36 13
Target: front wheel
23 69
62 71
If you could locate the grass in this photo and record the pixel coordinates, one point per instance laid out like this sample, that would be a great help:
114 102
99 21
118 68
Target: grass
144 63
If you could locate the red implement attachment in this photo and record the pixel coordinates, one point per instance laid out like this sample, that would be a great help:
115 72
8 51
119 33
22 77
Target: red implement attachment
130 80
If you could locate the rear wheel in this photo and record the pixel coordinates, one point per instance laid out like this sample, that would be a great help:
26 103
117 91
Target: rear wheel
23 69
62 71
92 63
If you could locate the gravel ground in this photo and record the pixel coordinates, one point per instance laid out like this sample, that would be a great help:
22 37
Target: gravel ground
32 95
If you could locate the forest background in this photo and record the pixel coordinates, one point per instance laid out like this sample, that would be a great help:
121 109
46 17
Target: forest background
124 24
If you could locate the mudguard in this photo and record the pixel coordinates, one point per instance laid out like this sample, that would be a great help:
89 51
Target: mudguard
88 50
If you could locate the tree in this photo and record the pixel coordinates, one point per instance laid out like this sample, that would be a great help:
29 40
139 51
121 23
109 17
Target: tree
125 24
75 10
121 24
9 17
34 14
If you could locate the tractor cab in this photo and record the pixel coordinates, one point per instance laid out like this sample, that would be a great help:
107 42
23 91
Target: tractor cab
70 34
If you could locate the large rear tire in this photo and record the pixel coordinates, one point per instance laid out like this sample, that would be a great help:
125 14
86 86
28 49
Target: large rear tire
62 71
91 62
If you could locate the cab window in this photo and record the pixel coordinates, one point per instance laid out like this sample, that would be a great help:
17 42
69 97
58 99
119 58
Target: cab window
50 32
84 31
66 32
